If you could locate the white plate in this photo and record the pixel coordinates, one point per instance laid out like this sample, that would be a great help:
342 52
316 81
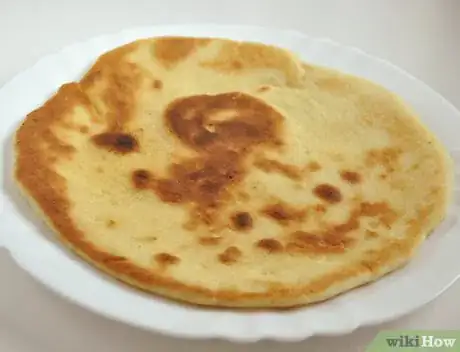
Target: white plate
433 270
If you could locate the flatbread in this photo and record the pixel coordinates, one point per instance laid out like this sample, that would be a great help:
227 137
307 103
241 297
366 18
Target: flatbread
232 174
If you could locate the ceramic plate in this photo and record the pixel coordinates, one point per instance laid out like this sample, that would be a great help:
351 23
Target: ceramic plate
34 248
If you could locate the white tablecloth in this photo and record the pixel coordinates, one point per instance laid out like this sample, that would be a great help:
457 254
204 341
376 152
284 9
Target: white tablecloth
421 36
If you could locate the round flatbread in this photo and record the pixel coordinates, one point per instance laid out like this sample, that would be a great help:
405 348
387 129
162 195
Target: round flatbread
231 173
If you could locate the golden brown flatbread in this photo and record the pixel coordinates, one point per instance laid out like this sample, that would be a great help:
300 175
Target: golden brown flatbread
232 174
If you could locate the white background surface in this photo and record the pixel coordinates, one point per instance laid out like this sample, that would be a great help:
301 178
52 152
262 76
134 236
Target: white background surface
421 36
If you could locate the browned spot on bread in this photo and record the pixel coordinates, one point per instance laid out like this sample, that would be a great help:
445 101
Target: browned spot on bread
121 143
269 165
251 121
111 223
242 221
230 255
350 176
328 193
157 84
382 210
171 50
165 259
206 181
262 89
305 242
84 129
236 64
342 229
336 238
284 213
388 158
371 234
170 191
210 240
141 178
270 245
313 166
